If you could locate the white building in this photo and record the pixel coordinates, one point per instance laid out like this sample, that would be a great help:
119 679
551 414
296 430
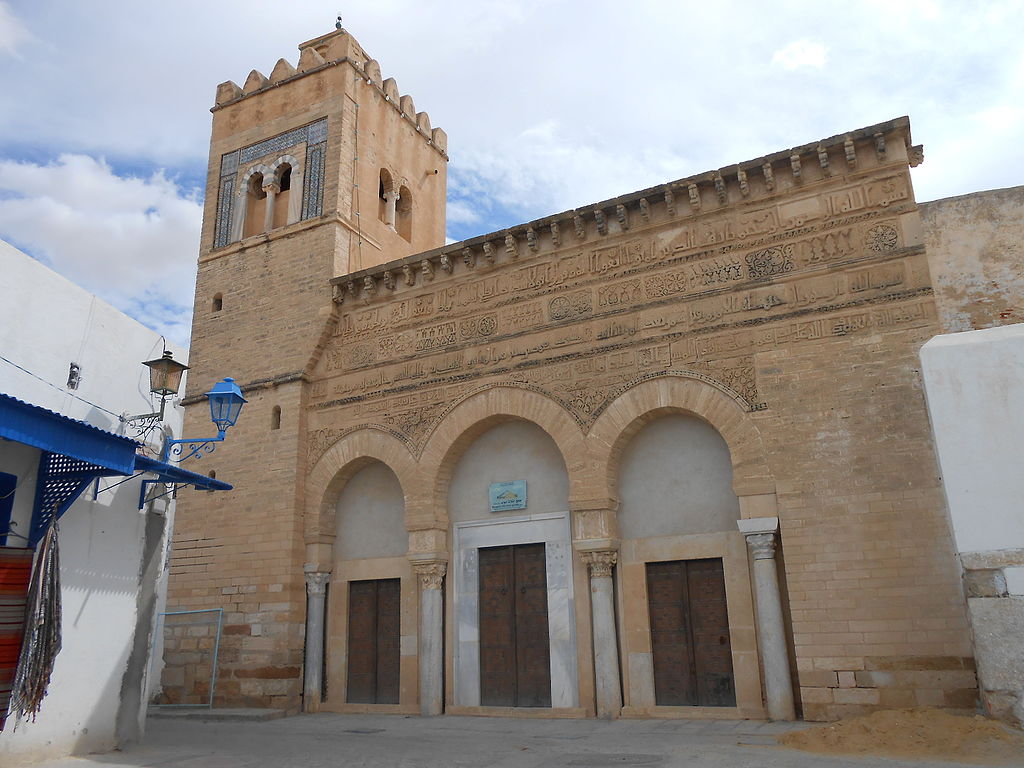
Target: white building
975 386
70 369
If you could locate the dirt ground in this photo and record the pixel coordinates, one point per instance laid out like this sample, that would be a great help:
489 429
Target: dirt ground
915 734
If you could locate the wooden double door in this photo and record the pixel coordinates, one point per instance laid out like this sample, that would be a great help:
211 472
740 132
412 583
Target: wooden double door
374 652
690 634
515 659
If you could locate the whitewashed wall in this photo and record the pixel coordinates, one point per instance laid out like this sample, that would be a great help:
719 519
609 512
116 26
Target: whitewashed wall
98 689
974 383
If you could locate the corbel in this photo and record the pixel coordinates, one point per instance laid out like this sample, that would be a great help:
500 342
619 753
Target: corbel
880 146
409 274
720 190
556 234
512 246
694 196
427 269
823 161
602 223
446 263
469 258
623 216
389 279
532 241
850 150
581 228
794 165
645 209
769 177
670 201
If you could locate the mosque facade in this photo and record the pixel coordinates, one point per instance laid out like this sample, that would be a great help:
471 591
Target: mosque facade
664 455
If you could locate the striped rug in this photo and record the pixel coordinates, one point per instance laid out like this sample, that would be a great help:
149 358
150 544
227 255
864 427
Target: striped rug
15 571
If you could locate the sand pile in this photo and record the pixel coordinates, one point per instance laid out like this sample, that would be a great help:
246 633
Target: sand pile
916 734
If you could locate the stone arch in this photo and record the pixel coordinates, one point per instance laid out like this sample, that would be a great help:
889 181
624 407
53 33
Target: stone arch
248 209
288 160
642 404
335 468
261 168
480 411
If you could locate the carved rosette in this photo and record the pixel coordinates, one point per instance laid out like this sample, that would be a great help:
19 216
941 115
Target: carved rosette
762 545
431 575
316 582
600 563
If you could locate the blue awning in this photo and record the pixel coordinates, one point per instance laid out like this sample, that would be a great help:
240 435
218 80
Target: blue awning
171 473
53 433
74 453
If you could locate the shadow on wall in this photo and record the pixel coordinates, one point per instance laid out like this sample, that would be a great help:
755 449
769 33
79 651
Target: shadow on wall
102 543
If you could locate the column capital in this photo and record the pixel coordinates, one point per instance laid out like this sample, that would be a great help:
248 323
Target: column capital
316 582
272 188
431 575
762 545
600 562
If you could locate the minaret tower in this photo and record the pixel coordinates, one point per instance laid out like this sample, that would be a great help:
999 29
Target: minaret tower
318 171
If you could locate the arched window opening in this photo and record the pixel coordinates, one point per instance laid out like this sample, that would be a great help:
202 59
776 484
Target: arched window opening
403 213
255 206
281 204
386 201
275 417
218 302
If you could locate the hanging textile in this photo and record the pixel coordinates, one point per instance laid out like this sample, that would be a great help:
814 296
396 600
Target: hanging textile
42 630
15 572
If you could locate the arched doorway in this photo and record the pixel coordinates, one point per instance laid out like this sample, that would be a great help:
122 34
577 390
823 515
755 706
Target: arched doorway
372 599
513 618
685 600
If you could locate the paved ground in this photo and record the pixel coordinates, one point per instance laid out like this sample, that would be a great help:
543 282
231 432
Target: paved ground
390 741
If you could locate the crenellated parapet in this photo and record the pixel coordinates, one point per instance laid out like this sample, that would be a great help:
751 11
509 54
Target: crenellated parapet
748 184
335 49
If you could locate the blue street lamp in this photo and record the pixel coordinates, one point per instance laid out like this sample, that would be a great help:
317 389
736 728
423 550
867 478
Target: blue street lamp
226 403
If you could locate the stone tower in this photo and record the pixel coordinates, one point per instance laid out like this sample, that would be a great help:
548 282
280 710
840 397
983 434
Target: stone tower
318 171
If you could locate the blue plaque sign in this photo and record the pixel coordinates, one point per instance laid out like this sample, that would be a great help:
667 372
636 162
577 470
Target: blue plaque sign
510 495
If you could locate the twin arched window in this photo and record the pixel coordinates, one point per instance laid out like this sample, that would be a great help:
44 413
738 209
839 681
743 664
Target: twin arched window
395 205
268 197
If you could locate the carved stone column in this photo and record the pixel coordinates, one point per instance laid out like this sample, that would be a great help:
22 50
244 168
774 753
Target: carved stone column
316 588
271 191
771 629
431 659
606 647
390 203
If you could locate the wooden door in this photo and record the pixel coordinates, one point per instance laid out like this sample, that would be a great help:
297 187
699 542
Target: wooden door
374 609
690 634
515 661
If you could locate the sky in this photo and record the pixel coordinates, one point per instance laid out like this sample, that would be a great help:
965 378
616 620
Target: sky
104 106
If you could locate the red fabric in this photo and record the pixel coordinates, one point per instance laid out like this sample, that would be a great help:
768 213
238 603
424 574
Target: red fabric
15 572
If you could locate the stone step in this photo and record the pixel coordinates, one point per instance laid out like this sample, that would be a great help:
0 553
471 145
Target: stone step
215 715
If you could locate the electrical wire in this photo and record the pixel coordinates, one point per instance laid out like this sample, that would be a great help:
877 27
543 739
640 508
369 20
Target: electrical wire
61 389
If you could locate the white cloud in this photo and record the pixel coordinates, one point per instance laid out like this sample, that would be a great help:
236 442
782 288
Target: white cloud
545 107
132 241
459 212
801 54
12 32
